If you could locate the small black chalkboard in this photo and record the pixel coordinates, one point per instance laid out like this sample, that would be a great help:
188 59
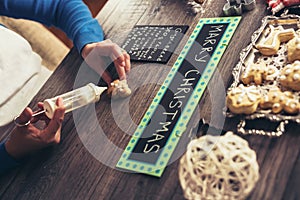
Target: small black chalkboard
153 43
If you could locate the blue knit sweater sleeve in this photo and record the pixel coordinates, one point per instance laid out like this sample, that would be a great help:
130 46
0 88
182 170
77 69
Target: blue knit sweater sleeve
6 161
72 16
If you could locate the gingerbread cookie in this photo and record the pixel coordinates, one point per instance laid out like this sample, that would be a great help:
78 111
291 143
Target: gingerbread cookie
254 73
277 35
271 73
243 100
290 76
294 49
119 89
258 72
279 101
291 105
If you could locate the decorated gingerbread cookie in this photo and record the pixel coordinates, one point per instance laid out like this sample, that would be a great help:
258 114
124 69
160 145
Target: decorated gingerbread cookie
290 76
278 101
277 35
292 105
254 73
294 49
243 100
119 89
258 72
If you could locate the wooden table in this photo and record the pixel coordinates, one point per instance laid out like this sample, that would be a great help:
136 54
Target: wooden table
72 170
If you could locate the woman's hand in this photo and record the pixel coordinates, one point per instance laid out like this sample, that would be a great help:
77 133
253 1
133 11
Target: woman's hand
27 139
95 53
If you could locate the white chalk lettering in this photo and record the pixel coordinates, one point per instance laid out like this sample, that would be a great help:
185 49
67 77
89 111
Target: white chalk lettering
185 90
187 82
173 114
151 148
179 30
210 41
191 71
164 126
212 35
203 56
201 59
179 97
218 28
157 137
177 103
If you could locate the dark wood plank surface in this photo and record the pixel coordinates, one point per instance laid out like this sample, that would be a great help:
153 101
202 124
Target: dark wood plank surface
93 138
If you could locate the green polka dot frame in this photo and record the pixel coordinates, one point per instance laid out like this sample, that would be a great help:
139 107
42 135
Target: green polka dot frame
212 36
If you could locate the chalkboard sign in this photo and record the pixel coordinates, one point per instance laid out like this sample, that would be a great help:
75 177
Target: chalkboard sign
153 43
154 141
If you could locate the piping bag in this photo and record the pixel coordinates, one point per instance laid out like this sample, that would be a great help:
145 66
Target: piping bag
72 100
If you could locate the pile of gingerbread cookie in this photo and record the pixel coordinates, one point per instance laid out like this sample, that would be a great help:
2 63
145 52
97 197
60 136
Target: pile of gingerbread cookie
271 83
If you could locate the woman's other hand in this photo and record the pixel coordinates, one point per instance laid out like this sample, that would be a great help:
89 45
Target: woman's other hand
95 53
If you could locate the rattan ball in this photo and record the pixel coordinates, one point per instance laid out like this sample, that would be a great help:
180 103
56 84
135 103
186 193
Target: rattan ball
218 167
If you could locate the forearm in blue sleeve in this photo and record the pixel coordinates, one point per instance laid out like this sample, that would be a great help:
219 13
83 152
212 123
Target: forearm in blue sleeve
72 16
6 161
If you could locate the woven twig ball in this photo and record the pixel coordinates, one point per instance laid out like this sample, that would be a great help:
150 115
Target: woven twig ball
218 167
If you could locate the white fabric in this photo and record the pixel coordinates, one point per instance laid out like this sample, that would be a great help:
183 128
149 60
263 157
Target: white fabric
20 74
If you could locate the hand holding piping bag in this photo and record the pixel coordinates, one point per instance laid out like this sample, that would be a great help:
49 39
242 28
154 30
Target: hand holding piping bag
27 139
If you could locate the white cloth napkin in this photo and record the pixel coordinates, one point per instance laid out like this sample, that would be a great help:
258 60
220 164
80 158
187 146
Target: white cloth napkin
19 66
